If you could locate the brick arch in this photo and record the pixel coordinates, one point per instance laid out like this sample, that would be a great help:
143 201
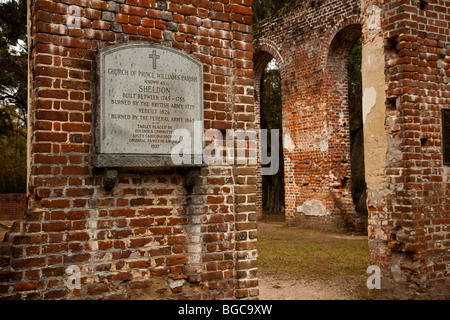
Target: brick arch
262 49
264 52
335 63
334 32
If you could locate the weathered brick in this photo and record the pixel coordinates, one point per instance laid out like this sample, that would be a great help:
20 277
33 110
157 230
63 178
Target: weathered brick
149 219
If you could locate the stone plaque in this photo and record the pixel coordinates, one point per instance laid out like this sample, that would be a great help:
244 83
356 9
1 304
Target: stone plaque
144 93
446 135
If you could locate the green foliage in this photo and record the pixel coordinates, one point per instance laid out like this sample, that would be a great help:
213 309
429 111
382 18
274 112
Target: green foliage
265 8
13 22
271 115
13 90
13 151
13 96
272 118
356 128
355 87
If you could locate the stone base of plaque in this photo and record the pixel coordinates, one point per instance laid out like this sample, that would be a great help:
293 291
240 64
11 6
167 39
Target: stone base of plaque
142 161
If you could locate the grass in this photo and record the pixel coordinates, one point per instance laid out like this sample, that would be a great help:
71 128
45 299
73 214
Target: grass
273 217
310 253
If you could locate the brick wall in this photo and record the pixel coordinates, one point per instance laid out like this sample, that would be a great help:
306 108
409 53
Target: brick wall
405 84
12 206
417 43
161 234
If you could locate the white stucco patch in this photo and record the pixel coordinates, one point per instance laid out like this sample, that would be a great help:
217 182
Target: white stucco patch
369 101
288 142
446 174
313 208
322 144
175 283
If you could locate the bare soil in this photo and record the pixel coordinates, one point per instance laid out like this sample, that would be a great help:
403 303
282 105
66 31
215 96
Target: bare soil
305 264
274 287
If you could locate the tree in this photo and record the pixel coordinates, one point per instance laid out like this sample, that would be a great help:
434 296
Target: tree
271 118
356 128
13 36
265 8
13 95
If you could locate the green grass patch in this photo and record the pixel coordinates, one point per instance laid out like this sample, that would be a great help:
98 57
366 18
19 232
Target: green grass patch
310 253
273 217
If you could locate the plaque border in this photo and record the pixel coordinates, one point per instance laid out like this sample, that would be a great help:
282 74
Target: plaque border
444 138
101 159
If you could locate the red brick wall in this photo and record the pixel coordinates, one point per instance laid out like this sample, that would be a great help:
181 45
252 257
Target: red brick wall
156 233
12 206
417 61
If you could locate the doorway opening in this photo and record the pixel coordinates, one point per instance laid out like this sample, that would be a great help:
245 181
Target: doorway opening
343 92
358 178
273 191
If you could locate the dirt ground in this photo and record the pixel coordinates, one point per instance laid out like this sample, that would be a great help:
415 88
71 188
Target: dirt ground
300 264
273 287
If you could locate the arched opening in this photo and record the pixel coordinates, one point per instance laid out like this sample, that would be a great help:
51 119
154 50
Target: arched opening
358 178
321 84
270 187
271 119
343 87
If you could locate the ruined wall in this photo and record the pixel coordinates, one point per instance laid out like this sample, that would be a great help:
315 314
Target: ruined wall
159 233
313 61
411 219
405 72
12 206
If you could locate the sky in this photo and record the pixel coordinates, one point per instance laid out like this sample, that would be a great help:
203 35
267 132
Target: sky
272 65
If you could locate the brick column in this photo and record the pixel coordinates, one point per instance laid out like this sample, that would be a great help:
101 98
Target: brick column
159 233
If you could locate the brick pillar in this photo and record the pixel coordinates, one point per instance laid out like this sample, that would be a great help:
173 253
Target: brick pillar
409 210
159 233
